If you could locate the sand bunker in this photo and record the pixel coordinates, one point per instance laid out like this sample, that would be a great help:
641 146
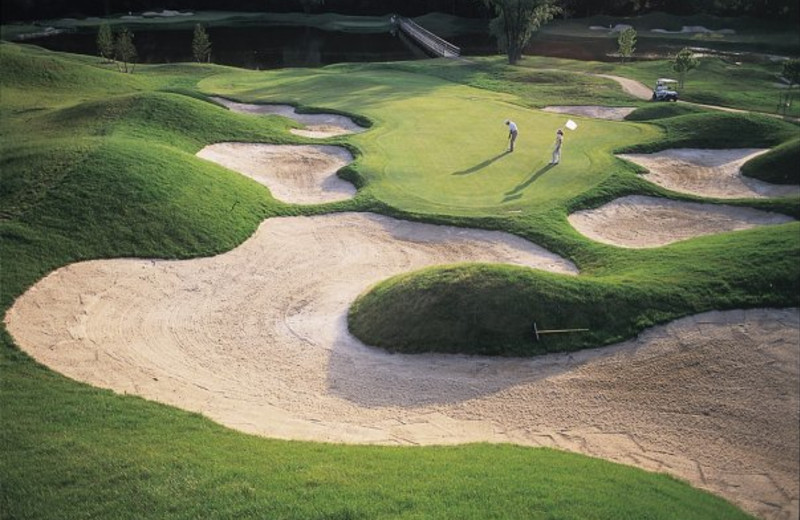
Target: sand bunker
256 339
317 125
695 29
710 173
302 174
599 112
640 222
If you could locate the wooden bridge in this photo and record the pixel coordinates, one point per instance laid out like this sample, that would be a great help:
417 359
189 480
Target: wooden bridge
426 39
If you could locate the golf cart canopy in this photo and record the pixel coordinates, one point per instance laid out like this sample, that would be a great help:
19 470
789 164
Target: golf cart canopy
666 80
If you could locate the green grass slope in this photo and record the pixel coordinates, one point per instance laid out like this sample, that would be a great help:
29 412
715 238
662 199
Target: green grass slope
781 165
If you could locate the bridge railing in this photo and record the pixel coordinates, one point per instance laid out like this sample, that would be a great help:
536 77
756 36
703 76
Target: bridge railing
427 39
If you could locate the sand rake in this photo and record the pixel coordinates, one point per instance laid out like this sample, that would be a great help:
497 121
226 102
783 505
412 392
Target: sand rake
537 331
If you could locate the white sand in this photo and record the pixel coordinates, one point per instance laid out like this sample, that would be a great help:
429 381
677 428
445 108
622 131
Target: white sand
317 125
598 112
709 173
640 222
302 174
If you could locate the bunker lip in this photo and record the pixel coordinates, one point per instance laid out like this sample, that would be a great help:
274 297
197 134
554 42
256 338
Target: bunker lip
708 173
595 111
637 221
301 174
316 125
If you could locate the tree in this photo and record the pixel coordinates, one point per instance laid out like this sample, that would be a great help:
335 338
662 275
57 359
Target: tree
627 43
125 50
682 63
517 20
105 42
201 45
791 71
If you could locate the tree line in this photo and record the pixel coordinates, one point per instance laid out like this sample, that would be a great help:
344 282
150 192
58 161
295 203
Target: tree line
21 10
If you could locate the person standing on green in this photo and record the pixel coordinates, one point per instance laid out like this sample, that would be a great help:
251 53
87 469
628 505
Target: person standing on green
557 147
512 134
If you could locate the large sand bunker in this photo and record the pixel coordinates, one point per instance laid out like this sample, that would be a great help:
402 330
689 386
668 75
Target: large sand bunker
317 125
256 339
302 174
709 173
639 222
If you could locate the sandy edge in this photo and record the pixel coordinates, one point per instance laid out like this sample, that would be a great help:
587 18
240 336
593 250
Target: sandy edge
318 126
301 174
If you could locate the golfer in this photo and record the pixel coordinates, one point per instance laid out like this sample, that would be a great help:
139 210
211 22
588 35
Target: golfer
557 147
512 134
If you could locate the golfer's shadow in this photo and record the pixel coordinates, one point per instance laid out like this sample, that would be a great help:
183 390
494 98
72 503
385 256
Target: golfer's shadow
482 165
516 192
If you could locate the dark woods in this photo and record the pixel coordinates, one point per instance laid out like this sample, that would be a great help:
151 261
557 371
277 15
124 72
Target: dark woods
19 10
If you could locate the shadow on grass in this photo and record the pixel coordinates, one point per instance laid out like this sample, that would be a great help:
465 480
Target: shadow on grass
482 165
517 191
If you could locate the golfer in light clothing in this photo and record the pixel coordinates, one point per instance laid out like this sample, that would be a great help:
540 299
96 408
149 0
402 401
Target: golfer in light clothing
512 134
557 147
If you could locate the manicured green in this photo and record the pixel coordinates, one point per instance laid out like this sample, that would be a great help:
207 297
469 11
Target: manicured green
99 164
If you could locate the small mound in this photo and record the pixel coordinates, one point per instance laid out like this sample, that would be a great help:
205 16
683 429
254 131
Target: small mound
318 126
709 173
778 166
641 222
300 174
599 112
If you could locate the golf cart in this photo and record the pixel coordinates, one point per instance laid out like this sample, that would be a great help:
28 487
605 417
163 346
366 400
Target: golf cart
663 92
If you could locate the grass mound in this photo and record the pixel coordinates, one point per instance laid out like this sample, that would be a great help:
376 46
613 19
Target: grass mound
716 130
778 166
490 309
662 111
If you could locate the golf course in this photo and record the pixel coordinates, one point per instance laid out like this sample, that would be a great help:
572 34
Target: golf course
334 293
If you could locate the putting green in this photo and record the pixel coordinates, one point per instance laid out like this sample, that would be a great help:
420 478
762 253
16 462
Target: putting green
440 147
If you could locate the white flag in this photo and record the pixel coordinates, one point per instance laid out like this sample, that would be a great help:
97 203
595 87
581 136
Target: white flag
572 125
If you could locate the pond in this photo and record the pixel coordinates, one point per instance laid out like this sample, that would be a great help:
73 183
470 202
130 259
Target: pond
275 46
267 47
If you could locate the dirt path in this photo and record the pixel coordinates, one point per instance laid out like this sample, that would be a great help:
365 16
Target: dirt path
302 174
636 221
709 173
631 86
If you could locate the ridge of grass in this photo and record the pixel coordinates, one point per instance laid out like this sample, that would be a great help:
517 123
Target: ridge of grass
778 166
